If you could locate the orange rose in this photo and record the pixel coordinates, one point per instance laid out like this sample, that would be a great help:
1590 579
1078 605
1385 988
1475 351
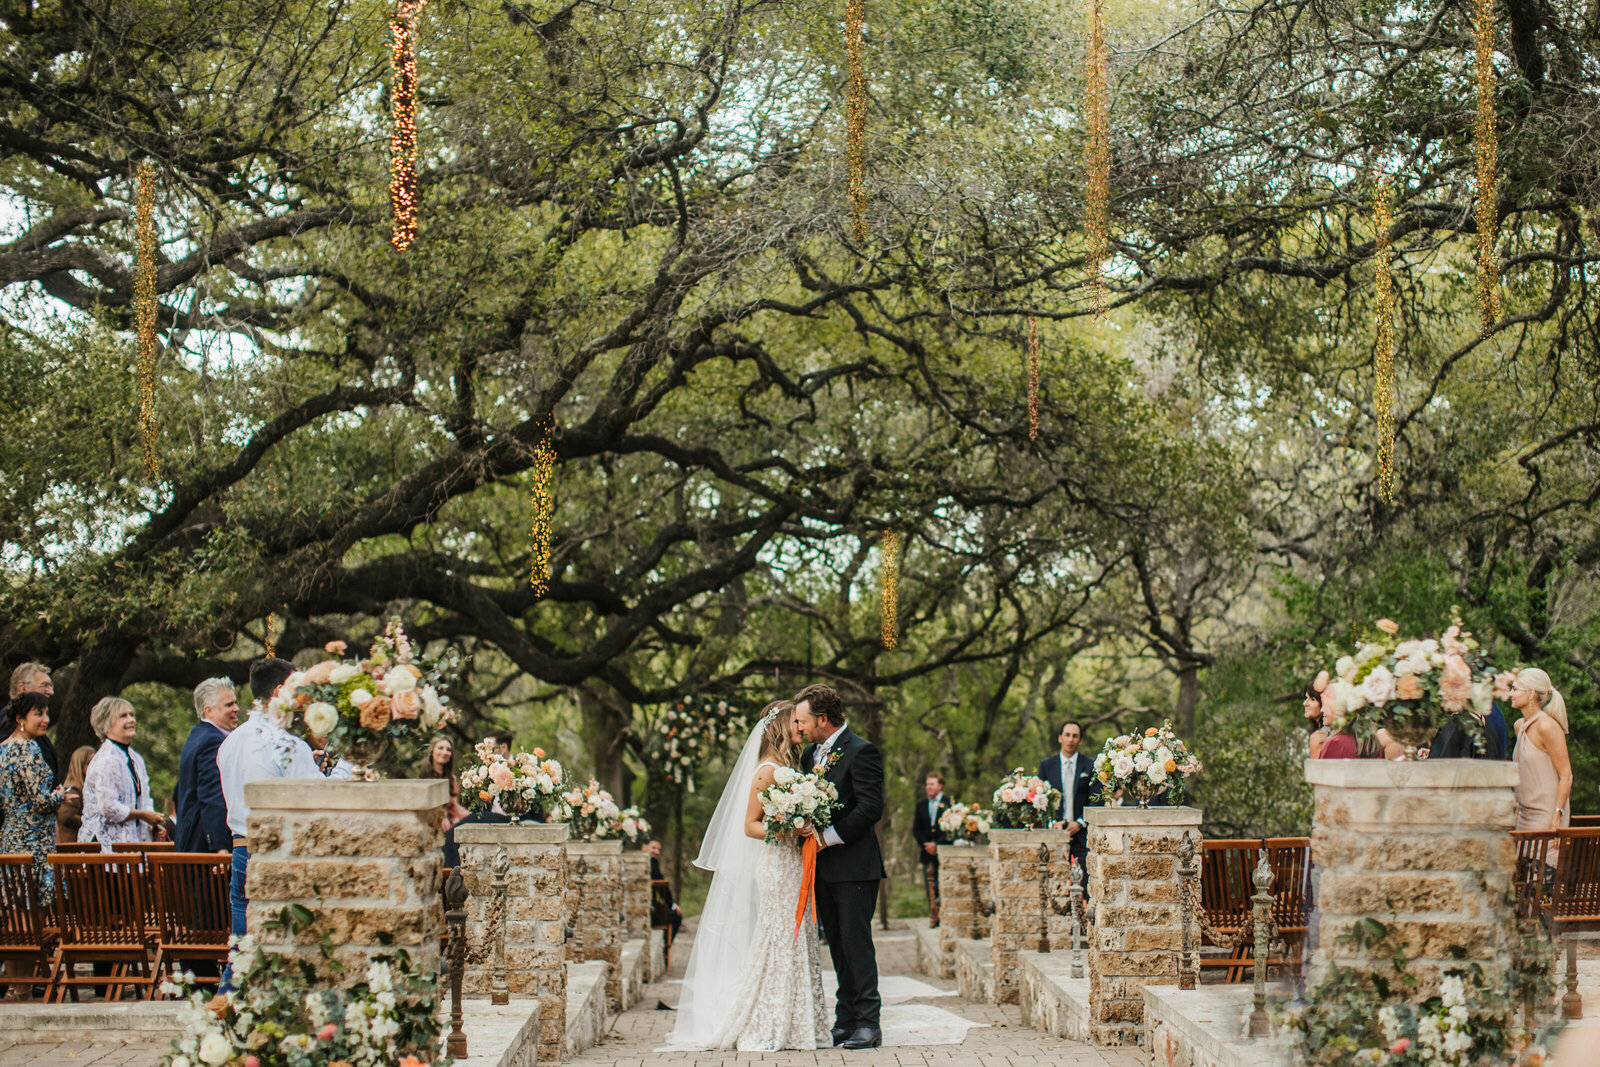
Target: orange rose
375 713
483 794
1171 766
1151 732
411 1061
303 699
407 705
1406 687
538 753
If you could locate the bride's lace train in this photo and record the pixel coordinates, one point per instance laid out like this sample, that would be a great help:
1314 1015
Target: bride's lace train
779 1003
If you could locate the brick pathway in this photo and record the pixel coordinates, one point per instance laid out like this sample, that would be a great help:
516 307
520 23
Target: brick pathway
136 1052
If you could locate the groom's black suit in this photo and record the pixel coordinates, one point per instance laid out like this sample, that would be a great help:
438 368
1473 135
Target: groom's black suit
848 875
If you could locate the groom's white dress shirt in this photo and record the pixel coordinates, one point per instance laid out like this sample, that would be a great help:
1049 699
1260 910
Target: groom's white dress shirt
830 836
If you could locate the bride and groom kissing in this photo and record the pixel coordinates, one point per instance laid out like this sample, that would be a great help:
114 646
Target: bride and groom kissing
754 977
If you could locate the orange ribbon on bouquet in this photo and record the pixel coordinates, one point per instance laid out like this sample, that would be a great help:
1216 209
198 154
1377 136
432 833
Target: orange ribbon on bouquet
808 878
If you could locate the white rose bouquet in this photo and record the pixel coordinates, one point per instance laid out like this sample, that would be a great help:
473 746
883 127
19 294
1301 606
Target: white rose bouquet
1026 802
964 824
795 798
525 785
1142 765
592 812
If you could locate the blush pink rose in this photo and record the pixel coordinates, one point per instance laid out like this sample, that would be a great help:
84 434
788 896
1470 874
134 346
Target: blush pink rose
1378 687
1388 626
327 1032
1407 687
1455 684
334 648
501 775
317 673
407 704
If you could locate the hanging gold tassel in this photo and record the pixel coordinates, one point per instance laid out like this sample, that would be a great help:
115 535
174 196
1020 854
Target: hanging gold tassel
403 137
144 313
889 594
1486 148
856 118
1383 392
544 466
270 638
1033 378
1097 206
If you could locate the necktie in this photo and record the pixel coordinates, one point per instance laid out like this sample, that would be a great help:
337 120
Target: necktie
1066 786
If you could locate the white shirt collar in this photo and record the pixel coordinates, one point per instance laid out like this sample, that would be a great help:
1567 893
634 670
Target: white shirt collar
827 744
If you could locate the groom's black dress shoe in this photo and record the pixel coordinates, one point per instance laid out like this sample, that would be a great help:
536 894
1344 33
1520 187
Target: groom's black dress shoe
839 1035
864 1037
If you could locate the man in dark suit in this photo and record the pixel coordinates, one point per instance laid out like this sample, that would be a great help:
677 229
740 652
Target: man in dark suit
925 828
664 910
850 864
202 811
1072 772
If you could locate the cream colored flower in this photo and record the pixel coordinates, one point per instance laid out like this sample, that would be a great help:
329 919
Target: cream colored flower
215 1049
359 698
321 717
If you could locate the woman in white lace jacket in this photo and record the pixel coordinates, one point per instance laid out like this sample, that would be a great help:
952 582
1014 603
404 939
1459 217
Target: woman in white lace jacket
116 789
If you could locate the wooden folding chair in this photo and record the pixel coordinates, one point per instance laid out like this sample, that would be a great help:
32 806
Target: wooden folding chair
1290 859
1533 872
1573 908
657 886
1225 887
143 846
24 933
100 905
78 846
192 906
1582 822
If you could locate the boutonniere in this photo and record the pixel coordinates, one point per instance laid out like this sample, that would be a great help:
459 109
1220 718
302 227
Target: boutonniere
828 761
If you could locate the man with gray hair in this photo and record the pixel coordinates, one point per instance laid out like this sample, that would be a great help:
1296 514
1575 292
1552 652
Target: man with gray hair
35 678
202 811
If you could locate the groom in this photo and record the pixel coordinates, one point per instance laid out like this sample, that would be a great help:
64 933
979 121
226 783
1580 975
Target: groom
849 865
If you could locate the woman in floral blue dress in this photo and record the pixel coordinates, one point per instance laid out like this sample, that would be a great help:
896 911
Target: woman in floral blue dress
25 792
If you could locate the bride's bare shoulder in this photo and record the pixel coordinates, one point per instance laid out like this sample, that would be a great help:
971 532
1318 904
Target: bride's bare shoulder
764 776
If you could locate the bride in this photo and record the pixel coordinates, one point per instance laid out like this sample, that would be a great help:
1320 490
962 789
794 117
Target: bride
746 942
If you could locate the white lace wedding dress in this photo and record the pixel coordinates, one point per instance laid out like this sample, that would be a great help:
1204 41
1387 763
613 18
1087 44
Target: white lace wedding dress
779 1003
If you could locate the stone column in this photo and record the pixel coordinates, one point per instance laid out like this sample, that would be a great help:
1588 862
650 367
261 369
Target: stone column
1019 914
363 856
534 916
963 870
1424 849
1136 923
635 895
594 910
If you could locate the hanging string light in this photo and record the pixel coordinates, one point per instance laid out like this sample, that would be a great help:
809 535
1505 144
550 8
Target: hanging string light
889 593
1097 200
1033 378
856 118
144 313
403 137
544 466
1383 392
1486 149
269 639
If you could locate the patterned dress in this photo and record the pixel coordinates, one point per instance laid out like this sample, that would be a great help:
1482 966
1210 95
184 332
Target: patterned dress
30 807
114 786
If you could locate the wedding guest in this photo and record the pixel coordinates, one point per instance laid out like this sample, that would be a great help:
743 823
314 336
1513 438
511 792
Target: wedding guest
1072 772
25 787
69 817
202 821
116 787
501 739
1465 735
925 829
1544 782
664 910
35 678
440 763
1312 704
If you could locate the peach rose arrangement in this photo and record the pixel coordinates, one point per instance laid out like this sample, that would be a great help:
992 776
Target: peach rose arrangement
966 825
525 785
1411 686
1142 765
1026 802
357 708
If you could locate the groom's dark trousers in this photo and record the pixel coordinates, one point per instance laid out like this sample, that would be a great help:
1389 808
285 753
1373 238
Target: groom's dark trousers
848 875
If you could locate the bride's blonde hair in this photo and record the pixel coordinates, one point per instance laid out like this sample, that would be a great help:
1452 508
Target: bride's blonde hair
775 741
1538 683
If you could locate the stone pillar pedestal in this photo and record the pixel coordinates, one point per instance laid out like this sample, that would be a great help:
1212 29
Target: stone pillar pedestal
363 856
1136 925
1020 915
594 910
635 895
534 916
963 871
1422 848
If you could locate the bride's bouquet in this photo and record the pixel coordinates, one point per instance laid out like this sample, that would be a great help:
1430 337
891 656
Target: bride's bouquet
524 785
966 825
794 799
1026 802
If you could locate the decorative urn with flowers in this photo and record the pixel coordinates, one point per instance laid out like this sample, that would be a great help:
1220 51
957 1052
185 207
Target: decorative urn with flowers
1026 802
1140 766
1410 687
966 825
525 786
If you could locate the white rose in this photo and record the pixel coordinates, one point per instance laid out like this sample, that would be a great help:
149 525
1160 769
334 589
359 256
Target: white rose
399 680
360 698
1162 754
1141 761
343 673
1157 773
1122 767
798 821
180 1061
321 717
1151 744
1378 688
785 775
215 1049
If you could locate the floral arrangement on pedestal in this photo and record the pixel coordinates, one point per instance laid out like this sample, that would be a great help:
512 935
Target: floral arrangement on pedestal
286 1012
592 813
1410 687
795 798
632 827
525 785
1026 802
689 735
1142 765
358 708
966 825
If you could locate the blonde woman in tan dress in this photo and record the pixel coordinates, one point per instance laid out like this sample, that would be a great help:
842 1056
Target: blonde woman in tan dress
1544 772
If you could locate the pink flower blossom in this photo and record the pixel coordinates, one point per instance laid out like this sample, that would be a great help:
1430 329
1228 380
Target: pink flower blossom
1388 626
252 1061
327 1032
1455 683
333 648
1399 1046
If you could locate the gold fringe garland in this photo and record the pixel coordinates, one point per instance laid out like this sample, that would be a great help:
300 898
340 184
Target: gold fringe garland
889 580
270 638
544 466
1486 148
1033 378
856 119
403 137
144 313
1097 207
1383 392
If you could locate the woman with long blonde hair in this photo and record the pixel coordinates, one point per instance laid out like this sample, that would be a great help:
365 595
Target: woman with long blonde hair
1544 770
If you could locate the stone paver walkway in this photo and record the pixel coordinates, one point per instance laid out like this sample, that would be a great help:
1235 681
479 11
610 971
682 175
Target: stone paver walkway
135 1052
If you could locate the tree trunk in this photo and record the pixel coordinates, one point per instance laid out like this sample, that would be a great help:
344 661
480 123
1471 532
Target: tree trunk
606 717
1188 697
98 673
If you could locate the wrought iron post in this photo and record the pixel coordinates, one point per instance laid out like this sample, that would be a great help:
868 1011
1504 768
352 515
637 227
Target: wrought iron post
1075 896
1187 964
455 917
499 869
1261 904
1044 897
979 905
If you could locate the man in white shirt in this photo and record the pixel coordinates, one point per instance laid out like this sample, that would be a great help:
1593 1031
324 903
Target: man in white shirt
1072 772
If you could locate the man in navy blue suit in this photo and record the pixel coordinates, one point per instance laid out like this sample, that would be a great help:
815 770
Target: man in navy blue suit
1072 772
202 812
